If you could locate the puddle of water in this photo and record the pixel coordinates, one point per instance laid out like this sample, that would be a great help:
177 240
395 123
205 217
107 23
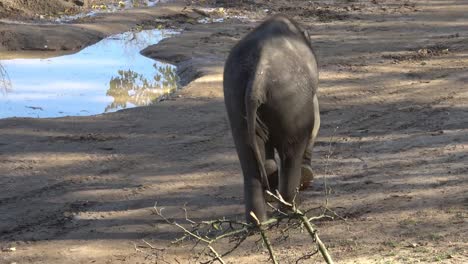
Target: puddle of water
105 77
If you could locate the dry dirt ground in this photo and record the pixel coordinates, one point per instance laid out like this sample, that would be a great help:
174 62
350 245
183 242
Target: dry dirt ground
46 10
392 153
34 9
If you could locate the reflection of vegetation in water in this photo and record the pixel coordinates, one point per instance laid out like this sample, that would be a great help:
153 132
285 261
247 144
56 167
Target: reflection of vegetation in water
134 41
5 83
167 75
130 87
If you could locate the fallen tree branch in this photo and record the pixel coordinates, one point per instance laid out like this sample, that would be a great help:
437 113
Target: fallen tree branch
265 238
212 231
305 220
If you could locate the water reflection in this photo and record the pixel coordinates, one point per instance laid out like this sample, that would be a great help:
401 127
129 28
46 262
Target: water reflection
130 87
104 77
5 84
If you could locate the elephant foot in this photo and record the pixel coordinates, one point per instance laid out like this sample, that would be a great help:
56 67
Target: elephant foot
307 175
272 172
271 169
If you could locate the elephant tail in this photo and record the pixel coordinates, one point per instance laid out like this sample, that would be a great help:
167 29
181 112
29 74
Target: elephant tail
256 126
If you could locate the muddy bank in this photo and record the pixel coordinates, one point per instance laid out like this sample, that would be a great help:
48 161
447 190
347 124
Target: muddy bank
391 150
212 42
75 36
40 11
24 10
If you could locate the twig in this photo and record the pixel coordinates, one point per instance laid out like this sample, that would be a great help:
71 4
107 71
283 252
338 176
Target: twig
242 239
327 165
208 241
148 254
265 238
217 256
308 256
305 220
137 249
313 233
151 246
186 214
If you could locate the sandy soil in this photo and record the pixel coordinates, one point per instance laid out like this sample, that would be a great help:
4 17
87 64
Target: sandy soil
35 9
41 11
392 152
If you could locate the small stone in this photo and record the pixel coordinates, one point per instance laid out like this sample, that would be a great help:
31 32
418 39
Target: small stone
78 2
9 249
413 245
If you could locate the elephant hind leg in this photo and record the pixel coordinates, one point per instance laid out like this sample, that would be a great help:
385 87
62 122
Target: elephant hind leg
306 168
307 175
253 189
291 164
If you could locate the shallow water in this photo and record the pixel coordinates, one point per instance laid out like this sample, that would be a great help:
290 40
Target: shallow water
105 77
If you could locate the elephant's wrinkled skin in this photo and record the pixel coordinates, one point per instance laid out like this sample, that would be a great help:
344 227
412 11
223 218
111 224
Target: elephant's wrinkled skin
270 85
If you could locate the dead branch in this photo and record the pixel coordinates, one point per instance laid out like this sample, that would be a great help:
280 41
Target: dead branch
217 256
307 256
305 220
265 238
212 231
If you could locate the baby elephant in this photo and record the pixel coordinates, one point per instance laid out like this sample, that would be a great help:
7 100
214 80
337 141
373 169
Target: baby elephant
270 85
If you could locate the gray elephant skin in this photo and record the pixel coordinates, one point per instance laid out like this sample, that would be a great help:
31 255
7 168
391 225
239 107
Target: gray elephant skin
270 84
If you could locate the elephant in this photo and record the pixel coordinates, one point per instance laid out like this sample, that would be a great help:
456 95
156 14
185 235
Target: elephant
270 85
